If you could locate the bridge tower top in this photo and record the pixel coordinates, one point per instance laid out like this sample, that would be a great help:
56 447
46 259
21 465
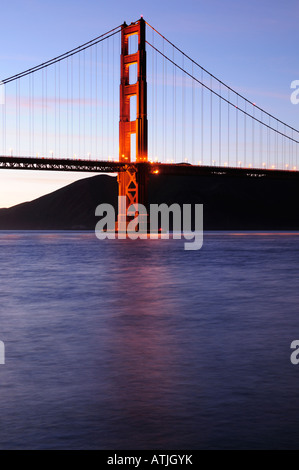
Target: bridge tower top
128 90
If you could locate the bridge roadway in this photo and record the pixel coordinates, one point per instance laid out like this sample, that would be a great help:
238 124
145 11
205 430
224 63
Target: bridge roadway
97 166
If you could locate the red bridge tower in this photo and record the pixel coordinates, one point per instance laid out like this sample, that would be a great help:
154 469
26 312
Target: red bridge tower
133 183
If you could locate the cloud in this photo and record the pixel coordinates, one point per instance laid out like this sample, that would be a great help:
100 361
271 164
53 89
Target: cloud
50 101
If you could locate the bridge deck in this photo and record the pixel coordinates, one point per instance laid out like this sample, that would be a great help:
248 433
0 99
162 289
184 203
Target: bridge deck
94 166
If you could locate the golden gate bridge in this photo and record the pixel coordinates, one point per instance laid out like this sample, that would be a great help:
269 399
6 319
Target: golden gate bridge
133 103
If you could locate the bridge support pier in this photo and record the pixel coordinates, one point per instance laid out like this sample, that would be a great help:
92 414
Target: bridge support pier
133 183
133 187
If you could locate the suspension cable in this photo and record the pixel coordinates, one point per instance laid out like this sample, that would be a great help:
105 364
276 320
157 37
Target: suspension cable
61 57
221 82
229 102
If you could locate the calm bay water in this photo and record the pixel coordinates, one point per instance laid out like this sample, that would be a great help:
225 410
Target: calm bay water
142 345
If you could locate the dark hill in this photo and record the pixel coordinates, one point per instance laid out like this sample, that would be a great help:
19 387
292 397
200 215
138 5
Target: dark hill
69 208
234 203
229 203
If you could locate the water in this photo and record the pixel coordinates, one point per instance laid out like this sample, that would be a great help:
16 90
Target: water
142 345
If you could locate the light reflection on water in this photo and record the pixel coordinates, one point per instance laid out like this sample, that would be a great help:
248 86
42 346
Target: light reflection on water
139 344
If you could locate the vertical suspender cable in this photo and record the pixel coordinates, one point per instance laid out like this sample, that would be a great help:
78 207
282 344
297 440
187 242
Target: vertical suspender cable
245 137
108 98
156 109
55 109
113 111
183 111
261 142
228 128
3 118
268 147
192 116
33 122
43 112
174 112
237 134
30 117
253 142
46 109
72 105
297 164
67 108
17 127
163 104
166 112
276 146
102 99
19 120
79 102
202 95
220 128
84 104
90 103
291 153
211 121
96 104
153 93
59 112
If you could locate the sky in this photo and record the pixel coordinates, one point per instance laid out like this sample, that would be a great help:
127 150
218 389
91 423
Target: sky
251 46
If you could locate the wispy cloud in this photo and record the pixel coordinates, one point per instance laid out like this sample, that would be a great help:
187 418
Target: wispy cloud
50 102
